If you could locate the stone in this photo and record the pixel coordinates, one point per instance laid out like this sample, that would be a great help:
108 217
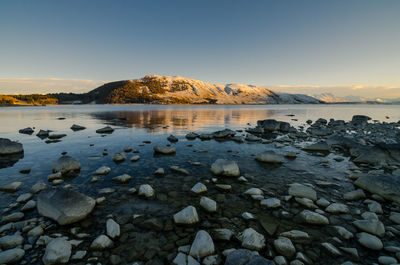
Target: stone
387 186
125 178
395 217
186 216
271 203
68 166
180 259
285 247
103 170
251 239
314 218
146 190
199 188
337 208
57 251
112 228
371 226
38 187
12 217
369 241
202 245
269 157
79 255
343 232
24 197
354 195
300 190
11 256
30 205
8 147
179 170
306 202
135 158
295 235
165 150
318 147
159 171
119 157
101 242
208 204
254 191
225 168
172 139
12 241
223 187
387 260
27 130
106 129
36 232
12 187
248 216
222 234
76 127
331 249
64 205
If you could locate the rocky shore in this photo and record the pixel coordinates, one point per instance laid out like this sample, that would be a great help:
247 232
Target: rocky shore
228 216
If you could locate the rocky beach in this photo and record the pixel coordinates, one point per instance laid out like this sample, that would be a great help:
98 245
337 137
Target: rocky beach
325 192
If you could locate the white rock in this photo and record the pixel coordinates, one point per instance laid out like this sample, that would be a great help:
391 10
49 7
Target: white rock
57 251
101 242
202 245
125 178
102 170
146 190
199 188
225 168
251 239
186 216
112 228
208 204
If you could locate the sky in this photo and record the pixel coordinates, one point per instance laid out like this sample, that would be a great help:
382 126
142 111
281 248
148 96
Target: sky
346 47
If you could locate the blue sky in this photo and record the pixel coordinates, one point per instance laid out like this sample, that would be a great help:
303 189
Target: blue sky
344 43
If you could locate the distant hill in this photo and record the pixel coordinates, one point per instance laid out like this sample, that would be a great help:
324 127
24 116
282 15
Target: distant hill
180 90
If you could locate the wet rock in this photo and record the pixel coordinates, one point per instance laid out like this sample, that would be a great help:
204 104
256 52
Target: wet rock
101 242
79 255
119 157
387 186
38 187
343 232
35 232
106 129
165 150
337 208
103 170
269 125
269 157
225 168
313 218
199 188
354 195
24 197
245 257
179 170
295 235
186 216
27 130
331 249
12 241
284 247
223 187
395 218
125 178
135 158
254 191
202 245
12 217
56 136
57 251
67 166
271 203
300 190
11 256
380 154
318 147
306 202
222 234
112 228
12 187
30 205
374 227
251 239
64 205
191 136
76 127
359 119
159 171
8 147
252 138
369 241
42 134
172 139
146 190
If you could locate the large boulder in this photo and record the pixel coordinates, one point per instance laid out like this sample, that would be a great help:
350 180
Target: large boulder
387 186
8 147
64 206
68 166
225 168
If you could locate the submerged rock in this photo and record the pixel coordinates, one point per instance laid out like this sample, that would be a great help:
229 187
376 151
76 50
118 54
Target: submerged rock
125 178
186 216
107 129
269 157
119 157
300 190
146 190
103 170
165 150
64 206
318 147
67 166
225 168
12 187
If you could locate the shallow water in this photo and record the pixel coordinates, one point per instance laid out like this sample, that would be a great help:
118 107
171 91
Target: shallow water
137 123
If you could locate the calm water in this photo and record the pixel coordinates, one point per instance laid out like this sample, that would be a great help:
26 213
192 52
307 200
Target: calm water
137 123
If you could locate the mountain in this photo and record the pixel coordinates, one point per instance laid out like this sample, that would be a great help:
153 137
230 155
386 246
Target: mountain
329 98
180 90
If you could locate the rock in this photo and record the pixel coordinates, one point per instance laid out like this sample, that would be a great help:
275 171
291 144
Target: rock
222 234
79 255
248 216
12 241
245 257
191 136
199 188
269 125
24 197
43 134
68 166
179 170
56 136
57 251
76 127
251 239
12 217
112 228
284 247
387 260
202 245
306 202
269 157
38 187
180 259
331 249
208 204
379 154
107 129
165 150
225 168
343 232
318 147
271 203
172 139
387 186
314 218
101 242
103 170
369 241
146 190
29 206
11 256
64 205
374 227
337 208
295 235
36 232
12 187
300 190
360 119
254 191
354 195
252 138
27 130
186 216
223 187
135 158
54 176
159 171
125 178
119 157
395 218
8 147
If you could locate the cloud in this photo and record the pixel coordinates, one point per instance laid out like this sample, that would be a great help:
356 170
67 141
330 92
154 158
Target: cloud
46 85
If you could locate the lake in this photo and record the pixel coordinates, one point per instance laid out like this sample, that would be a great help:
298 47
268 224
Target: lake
140 127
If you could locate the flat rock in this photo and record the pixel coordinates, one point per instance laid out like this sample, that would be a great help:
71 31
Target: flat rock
57 251
165 150
67 166
300 190
226 168
269 157
64 205
12 187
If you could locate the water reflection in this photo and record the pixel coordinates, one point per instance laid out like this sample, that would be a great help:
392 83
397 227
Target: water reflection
10 160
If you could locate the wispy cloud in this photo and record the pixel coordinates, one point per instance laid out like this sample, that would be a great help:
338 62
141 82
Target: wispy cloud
46 85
